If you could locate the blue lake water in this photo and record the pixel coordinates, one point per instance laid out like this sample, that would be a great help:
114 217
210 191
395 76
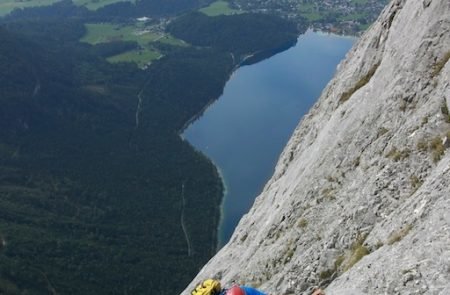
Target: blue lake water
245 130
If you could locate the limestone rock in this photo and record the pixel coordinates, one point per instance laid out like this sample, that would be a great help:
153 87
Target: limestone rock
360 199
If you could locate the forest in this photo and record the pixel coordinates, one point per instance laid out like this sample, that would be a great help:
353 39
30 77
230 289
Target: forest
118 12
94 176
239 34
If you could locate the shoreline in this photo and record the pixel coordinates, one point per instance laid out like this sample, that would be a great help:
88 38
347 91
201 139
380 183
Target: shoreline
219 241
251 59
247 60
331 34
203 110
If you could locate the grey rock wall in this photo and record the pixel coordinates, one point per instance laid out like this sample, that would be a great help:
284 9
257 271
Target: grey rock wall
360 199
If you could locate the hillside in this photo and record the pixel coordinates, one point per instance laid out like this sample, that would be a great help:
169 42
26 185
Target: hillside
359 200
85 207
99 194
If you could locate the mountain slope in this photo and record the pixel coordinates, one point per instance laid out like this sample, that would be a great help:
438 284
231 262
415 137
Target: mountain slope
90 202
360 197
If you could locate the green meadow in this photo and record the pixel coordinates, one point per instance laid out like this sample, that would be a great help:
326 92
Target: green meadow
6 6
96 4
219 8
140 57
308 11
107 32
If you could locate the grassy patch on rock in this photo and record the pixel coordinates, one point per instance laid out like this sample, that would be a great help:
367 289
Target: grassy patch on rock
415 182
399 235
445 112
361 83
358 252
302 223
397 155
437 149
438 66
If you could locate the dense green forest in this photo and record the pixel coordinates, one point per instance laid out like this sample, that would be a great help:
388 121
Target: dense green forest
119 11
59 10
239 34
114 47
94 177
151 8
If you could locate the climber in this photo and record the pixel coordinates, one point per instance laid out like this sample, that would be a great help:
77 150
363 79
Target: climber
213 287
318 291
241 290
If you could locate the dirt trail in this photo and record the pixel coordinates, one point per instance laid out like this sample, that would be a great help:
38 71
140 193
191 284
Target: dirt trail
183 225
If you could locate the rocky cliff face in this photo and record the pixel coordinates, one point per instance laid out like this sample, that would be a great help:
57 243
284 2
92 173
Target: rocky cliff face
360 199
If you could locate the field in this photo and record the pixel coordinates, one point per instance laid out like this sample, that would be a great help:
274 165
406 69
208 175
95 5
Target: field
309 11
140 57
361 2
353 16
219 8
106 32
6 6
96 4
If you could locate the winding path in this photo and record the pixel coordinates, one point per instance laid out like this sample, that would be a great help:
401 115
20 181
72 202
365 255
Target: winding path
140 100
50 287
37 88
139 106
183 225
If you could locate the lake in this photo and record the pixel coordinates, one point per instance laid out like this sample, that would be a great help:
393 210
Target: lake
246 129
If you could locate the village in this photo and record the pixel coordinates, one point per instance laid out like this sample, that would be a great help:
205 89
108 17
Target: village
349 17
